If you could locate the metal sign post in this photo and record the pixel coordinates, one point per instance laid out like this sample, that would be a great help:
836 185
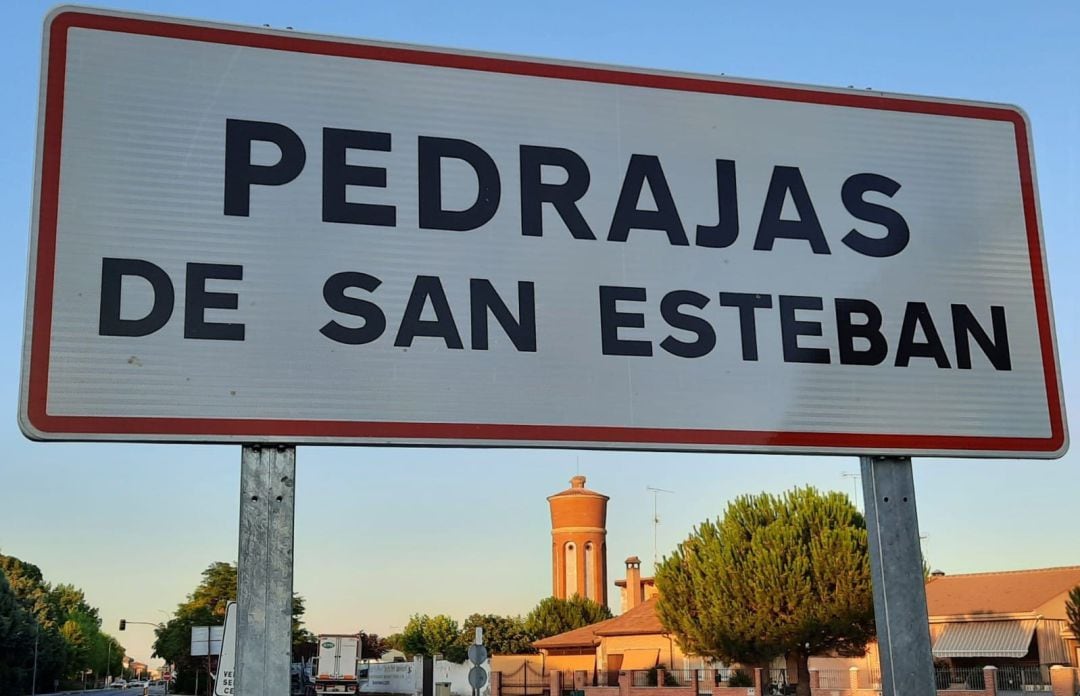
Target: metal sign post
478 655
892 525
265 570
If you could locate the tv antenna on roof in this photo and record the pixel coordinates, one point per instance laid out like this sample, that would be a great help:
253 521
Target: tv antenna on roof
656 522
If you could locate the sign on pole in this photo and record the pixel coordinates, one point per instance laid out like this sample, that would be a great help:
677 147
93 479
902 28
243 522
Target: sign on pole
206 640
247 235
478 655
226 671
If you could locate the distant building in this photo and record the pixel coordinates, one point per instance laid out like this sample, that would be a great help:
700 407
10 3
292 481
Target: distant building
1013 619
1006 618
579 543
635 640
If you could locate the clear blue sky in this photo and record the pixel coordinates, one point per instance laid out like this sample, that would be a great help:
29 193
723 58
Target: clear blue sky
459 531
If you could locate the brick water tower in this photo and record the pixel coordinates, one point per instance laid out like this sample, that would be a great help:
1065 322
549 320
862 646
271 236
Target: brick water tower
579 543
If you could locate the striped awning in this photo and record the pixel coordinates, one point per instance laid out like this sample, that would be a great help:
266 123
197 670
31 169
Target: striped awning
985 639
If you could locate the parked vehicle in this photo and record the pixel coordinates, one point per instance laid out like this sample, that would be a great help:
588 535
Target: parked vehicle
119 684
337 664
300 680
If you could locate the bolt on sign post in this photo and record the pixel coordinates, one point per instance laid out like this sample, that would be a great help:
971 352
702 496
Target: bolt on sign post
272 238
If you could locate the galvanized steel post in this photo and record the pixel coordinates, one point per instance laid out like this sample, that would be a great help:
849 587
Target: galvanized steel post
896 566
265 571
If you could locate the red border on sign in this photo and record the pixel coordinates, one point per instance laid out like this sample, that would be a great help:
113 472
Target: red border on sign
456 433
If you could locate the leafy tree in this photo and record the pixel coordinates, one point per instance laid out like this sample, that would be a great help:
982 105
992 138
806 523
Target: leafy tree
106 655
16 641
396 641
217 589
206 606
67 629
553 616
433 635
36 597
503 635
778 575
301 637
1072 611
372 647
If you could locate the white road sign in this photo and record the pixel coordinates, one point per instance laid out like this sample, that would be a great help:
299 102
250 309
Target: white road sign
252 235
206 640
226 671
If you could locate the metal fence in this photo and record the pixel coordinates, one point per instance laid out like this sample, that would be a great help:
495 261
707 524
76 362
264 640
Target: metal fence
682 677
528 680
868 679
970 678
1022 679
838 679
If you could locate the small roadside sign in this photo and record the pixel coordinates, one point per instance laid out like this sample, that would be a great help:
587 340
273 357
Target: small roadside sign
477 654
226 672
206 640
477 677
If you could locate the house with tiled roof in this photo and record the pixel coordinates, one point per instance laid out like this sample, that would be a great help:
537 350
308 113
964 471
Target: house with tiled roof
633 641
1004 618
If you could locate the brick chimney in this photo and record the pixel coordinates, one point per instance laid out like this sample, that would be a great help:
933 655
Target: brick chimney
633 582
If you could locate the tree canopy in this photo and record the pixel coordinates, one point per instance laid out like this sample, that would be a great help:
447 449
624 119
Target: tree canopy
553 616
433 635
777 575
372 647
206 606
71 644
503 635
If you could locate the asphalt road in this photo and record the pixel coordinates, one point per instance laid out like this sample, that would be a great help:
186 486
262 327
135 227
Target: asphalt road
109 692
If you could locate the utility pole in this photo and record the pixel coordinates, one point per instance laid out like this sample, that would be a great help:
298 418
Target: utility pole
656 522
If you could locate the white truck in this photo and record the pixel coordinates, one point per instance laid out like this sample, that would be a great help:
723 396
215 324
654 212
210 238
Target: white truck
338 664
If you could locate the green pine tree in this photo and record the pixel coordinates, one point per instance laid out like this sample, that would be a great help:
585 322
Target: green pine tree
777 576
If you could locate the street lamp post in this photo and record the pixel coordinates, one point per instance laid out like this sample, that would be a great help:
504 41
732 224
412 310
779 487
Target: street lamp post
33 680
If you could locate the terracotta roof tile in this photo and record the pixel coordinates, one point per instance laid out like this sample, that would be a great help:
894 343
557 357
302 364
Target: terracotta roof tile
1011 592
579 637
641 620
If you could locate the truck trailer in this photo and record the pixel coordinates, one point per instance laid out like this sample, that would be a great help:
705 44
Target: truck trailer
338 664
